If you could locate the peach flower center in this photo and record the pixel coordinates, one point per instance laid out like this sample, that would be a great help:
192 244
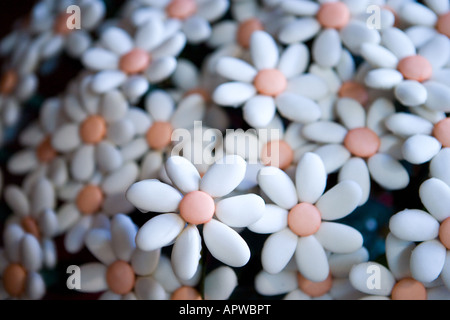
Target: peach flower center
197 207
362 142
90 199
120 277
14 280
354 90
304 219
245 31
60 25
8 82
159 135
443 24
278 154
93 129
335 15
409 289
415 68
135 61
314 289
45 151
444 233
270 82
441 132
186 293
31 226
181 9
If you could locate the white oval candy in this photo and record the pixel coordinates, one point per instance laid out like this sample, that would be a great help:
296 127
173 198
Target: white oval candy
93 277
294 60
310 178
416 13
356 33
113 106
436 51
42 197
388 172
108 156
325 132
161 69
98 241
159 231
299 30
235 69
220 283
297 108
327 48
309 85
146 195
183 174
17 200
439 165
339 238
414 225
351 113
398 43
224 176
435 196
233 93
398 254
82 166
340 200
311 259
355 169
411 93
405 124
22 161
123 235
378 56
274 219
420 148
372 278
240 211
264 50
31 253
438 96
145 262
277 185
275 284
35 286
383 78
66 138
147 288
341 263
258 111
333 156
107 80
225 244
186 253
120 180
427 261
273 259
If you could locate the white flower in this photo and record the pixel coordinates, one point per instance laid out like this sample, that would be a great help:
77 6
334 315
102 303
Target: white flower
193 17
20 264
300 219
195 204
270 84
360 148
34 213
134 62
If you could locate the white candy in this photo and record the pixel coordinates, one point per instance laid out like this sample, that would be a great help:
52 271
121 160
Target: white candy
35 287
93 277
414 225
145 262
355 169
123 234
378 56
107 80
436 51
294 60
383 78
240 211
147 288
159 231
274 219
416 13
309 85
66 138
333 155
356 33
82 166
225 244
186 252
311 259
264 50
299 30
17 200
339 238
420 148
277 185
161 69
220 283
31 253
274 259
235 69
108 157
259 111
233 93
340 200
98 241
438 96
341 263
388 172
405 124
327 48
398 43
435 196
427 260
372 278
398 253
325 132
411 93
298 108
146 195
310 178
275 284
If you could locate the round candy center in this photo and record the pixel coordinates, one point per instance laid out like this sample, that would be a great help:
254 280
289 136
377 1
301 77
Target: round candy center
314 289
45 151
444 233
304 219
335 15
31 226
409 289
159 135
197 207
245 31
441 132
120 277
181 9
277 154
354 90
186 293
60 26
93 129
200 91
415 68
362 142
443 24
135 61
90 199
14 280
270 82
8 82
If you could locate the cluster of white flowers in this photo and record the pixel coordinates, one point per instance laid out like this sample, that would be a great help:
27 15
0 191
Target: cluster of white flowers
357 92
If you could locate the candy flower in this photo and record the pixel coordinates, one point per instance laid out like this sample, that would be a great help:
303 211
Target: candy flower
198 204
301 220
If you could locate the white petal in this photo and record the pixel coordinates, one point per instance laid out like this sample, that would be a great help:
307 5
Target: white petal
259 111
186 253
108 157
278 186
82 166
264 50
273 220
100 59
17 200
341 263
151 165
160 105
107 80
351 113
230 171
233 93
420 148
398 254
161 69
220 283
30 250
339 238
159 231
150 34
410 13
333 156
35 286
68 215
74 239
240 211
439 165
278 250
236 69
294 60
145 262
436 51
190 109
120 180
66 138
311 259
117 40
93 277
123 234
299 30
310 178
379 110
172 46
140 119
398 43
383 78
309 85
406 125
372 278
435 196
48 223
414 225
120 132
22 161
325 132
135 87
327 48
147 288
225 244
388 172
438 96
146 195
42 197
411 93
213 10
356 33
298 108
113 106
183 174
427 260
98 241
355 169
378 56
275 284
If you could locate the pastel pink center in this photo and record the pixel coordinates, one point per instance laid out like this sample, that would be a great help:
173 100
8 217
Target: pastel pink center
441 132
335 15
362 142
415 68
304 219
135 61
181 9
197 207
270 82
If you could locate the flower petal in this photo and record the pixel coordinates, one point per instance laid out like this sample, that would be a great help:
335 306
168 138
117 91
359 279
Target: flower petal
259 111
274 219
144 263
98 241
312 261
123 234
339 238
294 60
186 253
233 93
278 186
220 283
278 250
264 50
427 261
355 169
240 211
372 278
93 277
183 174
310 178
414 225
268 284
298 108
398 254
147 195
159 231
388 172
